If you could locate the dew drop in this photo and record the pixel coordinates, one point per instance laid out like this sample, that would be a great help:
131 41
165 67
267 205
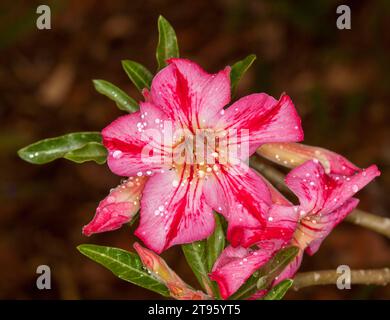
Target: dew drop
175 183
110 199
117 154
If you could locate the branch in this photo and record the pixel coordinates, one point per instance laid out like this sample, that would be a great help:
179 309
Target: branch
370 221
314 278
361 218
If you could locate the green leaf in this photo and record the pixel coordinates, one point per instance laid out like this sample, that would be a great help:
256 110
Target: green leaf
264 276
50 149
238 70
201 256
92 151
277 264
195 254
215 243
122 100
278 292
167 43
125 265
138 74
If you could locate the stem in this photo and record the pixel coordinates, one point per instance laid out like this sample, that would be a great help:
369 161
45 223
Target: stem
361 218
367 277
370 221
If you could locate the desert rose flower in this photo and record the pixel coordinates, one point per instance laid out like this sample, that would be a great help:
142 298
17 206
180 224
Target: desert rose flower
188 173
235 265
325 200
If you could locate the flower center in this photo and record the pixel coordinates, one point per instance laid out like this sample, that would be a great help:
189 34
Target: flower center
200 154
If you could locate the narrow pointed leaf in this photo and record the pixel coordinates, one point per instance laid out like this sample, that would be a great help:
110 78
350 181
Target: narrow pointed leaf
92 151
122 100
138 74
50 149
278 263
167 43
278 292
238 70
201 256
215 243
125 265
264 276
196 257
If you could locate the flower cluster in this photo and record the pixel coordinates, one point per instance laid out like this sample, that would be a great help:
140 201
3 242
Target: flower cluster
185 155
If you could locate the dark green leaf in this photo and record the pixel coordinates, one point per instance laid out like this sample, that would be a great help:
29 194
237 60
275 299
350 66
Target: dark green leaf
264 276
138 74
125 265
278 292
195 254
167 43
201 256
277 264
92 151
47 150
122 100
238 70
215 243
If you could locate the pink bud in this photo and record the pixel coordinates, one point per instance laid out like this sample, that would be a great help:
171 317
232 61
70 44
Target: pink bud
292 155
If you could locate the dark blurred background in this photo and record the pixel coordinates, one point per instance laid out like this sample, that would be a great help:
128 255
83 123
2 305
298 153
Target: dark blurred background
338 79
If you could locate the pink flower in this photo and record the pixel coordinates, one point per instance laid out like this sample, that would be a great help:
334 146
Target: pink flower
188 174
117 208
235 265
325 200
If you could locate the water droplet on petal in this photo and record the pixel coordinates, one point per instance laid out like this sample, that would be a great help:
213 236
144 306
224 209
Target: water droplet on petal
175 183
117 154
110 199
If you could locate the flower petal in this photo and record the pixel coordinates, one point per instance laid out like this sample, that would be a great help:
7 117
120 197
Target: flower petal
318 191
241 195
265 119
173 211
235 265
117 208
281 224
323 225
189 95
136 144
